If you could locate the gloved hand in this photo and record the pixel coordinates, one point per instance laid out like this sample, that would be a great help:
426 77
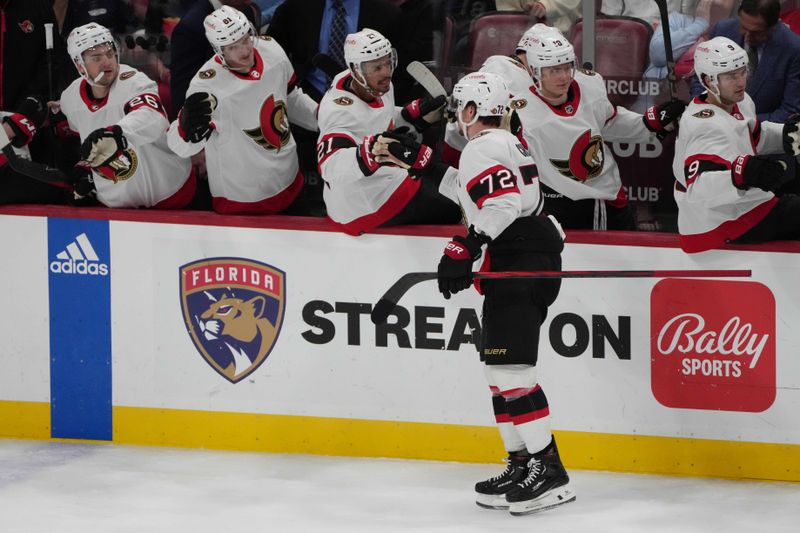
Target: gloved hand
791 136
83 189
103 146
424 112
365 158
661 119
60 125
455 266
757 171
194 118
401 150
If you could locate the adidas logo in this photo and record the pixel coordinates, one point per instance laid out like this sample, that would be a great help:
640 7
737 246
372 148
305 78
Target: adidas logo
79 258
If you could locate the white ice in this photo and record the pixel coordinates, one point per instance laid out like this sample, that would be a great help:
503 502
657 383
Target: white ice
65 487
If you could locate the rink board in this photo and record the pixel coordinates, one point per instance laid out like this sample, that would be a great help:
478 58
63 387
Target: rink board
646 375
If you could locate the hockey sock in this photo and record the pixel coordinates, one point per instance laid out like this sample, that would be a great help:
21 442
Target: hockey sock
511 438
530 414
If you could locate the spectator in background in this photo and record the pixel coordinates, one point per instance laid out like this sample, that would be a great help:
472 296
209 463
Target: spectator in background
190 48
647 10
684 30
774 58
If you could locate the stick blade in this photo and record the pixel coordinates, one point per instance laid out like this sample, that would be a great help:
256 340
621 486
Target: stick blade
426 78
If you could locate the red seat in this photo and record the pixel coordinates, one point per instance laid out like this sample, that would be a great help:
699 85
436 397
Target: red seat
792 19
621 49
493 33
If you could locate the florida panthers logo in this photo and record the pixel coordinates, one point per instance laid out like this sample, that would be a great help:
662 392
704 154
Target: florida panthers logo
233 310
273 131
585 158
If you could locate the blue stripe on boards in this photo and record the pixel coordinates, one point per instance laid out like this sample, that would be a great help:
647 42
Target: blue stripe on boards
79 266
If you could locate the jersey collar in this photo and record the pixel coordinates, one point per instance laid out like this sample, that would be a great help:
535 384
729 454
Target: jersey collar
568 108
344 85
256 73
91 102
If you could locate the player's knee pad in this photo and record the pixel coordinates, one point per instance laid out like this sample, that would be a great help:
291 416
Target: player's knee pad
510 381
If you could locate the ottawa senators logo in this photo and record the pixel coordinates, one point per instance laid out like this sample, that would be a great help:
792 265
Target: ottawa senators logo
704 113
125 75
26 26
587 71
273 132
121 168
585 158
519 104
343 100
207 74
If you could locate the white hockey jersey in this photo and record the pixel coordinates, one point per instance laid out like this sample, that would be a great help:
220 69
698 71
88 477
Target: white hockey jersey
497 182
155 174
711 210
357 203
251 156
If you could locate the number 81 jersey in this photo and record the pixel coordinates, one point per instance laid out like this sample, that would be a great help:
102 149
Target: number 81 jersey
497 182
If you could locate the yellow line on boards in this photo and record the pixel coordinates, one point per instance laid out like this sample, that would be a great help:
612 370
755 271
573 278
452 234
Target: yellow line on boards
414 440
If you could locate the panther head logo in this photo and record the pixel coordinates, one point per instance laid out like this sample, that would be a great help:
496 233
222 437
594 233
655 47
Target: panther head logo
586 158
233 310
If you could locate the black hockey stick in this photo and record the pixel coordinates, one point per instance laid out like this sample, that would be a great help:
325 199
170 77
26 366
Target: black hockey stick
671 78
389 300
37 171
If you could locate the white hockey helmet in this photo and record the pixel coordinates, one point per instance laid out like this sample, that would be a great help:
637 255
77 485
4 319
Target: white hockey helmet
487 91
717 56
536 29
366 45
85 38
225 26
546 48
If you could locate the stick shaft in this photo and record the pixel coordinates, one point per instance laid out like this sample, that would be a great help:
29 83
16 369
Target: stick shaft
672 79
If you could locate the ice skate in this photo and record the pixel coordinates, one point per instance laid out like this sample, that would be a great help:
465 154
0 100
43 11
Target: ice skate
490 494
545 486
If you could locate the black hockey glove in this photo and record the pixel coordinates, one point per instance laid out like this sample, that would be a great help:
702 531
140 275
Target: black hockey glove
103 146
365 158
791 136
455 266
83 189
660 119
24 129
194 119
401 150
757 171
424 112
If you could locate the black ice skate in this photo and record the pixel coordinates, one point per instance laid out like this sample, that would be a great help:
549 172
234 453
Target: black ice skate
490 494
546 485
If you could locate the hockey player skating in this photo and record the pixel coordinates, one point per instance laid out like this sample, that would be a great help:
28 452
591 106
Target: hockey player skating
238 109
566 119
725 187
122 125
362 193
498 190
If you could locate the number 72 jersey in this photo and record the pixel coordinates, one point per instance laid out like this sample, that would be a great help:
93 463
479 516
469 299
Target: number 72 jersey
497 182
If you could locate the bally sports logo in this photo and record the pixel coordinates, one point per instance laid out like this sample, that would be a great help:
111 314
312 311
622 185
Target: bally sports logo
233 310
713 345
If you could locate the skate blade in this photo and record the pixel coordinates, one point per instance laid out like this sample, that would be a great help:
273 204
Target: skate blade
554 498
488 501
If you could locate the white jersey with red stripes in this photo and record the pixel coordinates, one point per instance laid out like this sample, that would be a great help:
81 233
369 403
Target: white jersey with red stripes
155 173
356 202
251 156
518 80
711 210
497 182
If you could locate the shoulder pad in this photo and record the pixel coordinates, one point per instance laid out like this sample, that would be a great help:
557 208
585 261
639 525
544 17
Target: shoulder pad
343 100
704 113
207 74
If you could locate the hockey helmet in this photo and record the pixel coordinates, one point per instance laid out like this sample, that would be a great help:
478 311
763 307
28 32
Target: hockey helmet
226 26
487 91
717 56
85 38
363 46
546 48
536 29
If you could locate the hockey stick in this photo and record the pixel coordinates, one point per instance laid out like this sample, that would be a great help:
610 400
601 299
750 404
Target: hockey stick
389 300
426 78
31 169
671 78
